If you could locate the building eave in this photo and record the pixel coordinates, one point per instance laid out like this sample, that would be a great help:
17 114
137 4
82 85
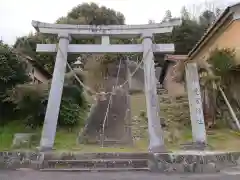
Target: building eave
213 28
35 64
39 67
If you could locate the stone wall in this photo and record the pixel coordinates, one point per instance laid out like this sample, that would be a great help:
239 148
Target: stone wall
137 80
175 162
193 161
16 160
174 88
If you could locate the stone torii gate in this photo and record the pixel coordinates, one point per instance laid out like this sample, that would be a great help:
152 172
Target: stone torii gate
66 31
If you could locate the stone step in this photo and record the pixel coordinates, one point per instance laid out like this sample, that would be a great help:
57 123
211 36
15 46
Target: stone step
96 169
167 97
176 113
161 91
231 170
111 142
90 156
169 101
96 163
163 96
174 104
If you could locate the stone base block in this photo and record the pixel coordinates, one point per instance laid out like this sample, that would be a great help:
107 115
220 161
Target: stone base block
24 140
44 149
174 162
158 149
17 160
195 146
193 161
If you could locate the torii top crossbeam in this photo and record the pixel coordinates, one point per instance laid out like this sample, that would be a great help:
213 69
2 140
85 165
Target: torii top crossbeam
106 32
117 31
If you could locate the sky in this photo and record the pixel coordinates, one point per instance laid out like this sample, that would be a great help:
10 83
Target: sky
16 15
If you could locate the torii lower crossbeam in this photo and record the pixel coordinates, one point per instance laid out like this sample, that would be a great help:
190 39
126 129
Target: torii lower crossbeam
116 48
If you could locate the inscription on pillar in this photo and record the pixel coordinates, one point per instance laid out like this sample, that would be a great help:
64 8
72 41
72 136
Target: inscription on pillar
198 108
195 103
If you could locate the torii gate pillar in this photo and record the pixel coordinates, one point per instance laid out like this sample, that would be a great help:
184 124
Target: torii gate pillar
156 140
55 95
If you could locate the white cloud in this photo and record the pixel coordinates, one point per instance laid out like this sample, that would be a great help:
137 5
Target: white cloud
16 15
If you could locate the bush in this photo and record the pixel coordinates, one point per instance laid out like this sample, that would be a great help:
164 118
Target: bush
222 60
70 113
12 72
143 114
8 112
31 101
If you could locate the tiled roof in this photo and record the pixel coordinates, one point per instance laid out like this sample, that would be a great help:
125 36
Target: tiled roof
34 62
211 29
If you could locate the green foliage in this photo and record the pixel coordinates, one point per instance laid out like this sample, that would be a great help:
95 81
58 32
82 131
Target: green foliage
33 105
11 73
207 18
143 114
73 107
92 14
189 32
222 61
185 15
186 36
70 113
11 69
31 101
168 16
85 13
28 44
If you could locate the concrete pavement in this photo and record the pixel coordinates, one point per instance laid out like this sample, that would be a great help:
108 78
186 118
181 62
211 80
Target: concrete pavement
36 175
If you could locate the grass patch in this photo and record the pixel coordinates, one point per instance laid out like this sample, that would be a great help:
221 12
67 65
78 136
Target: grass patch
68 141
224 139
219 139
64 141
7 133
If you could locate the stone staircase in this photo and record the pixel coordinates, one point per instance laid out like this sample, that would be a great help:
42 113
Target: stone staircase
96 162
175 116
231 170
174 110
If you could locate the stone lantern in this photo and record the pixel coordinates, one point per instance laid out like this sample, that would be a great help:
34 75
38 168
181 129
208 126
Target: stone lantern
78 63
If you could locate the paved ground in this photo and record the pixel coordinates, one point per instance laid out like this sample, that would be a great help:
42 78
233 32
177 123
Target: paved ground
35 175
